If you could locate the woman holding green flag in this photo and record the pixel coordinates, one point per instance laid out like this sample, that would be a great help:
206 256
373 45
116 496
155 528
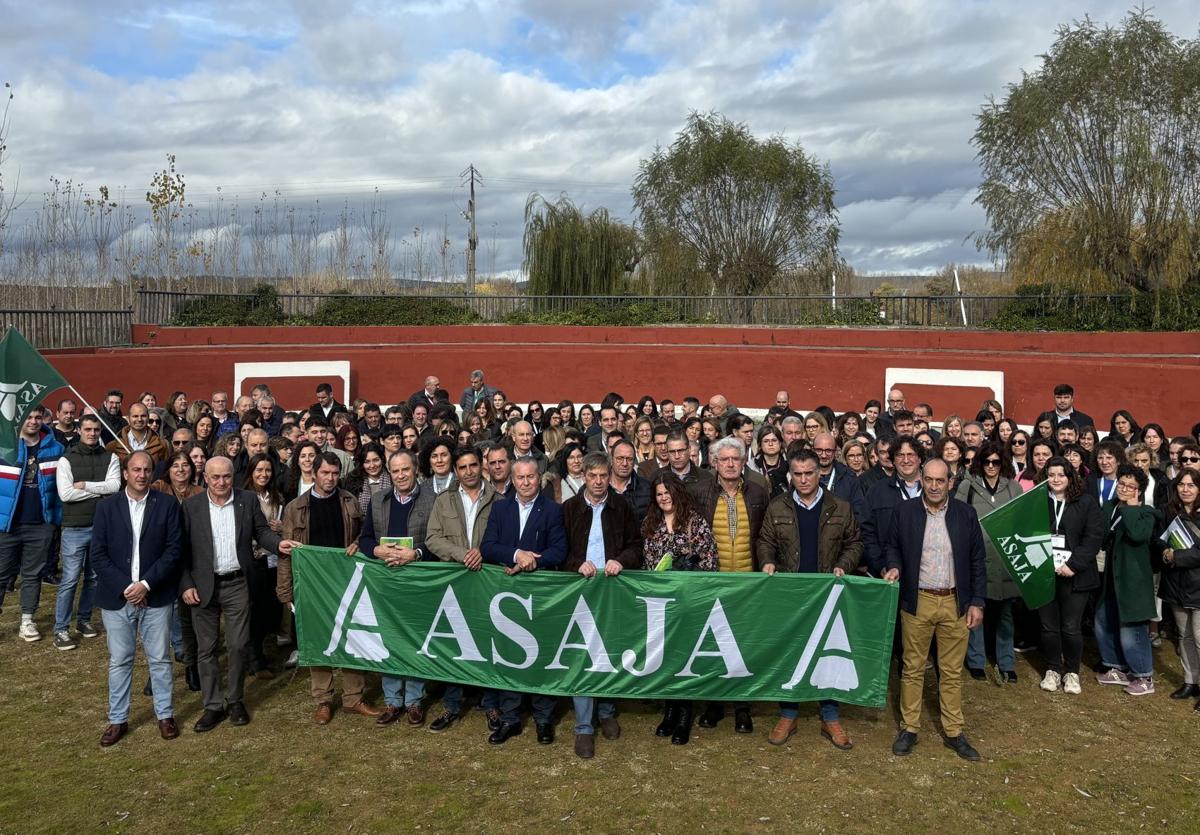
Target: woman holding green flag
1077 530
1180 584
985 487
1126 603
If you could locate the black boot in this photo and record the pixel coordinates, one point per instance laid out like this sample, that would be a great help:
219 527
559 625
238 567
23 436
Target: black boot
670 719
191 674
714 712
683 729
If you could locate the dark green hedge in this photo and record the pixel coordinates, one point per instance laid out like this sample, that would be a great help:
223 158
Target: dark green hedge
594 313
397 310
1043 308
261 307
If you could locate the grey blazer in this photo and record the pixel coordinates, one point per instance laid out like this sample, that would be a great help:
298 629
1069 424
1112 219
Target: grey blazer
198 561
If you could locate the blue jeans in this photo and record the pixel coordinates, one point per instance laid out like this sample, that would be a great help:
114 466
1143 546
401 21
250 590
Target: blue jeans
452 698
829 710
1002 612
399 691
76 566
123 627
1123 646
585 711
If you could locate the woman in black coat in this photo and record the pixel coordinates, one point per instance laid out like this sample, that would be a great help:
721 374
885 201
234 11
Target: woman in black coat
1180 583
1075 516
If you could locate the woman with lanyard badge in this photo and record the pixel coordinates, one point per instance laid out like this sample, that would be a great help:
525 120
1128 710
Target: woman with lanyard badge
987 487
1181 577
1102 484
1077 530
1126 604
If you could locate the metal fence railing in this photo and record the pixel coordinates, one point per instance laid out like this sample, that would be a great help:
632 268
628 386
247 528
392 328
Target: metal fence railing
162 306
70 328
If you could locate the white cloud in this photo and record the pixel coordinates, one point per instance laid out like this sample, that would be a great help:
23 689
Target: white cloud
324 100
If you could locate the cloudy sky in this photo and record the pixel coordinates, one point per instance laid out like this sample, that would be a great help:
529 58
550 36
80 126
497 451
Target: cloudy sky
318 99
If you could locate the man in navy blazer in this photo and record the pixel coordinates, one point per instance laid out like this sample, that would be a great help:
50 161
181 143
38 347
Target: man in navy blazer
136 554
524 533
935 549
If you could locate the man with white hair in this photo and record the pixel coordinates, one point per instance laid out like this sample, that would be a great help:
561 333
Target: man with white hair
522 435
734 508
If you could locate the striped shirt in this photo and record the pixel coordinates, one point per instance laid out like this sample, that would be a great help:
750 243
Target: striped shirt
224 535
937 556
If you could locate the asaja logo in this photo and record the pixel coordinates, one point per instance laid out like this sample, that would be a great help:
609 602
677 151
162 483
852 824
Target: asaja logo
1026 554
13 396
827 653
360 637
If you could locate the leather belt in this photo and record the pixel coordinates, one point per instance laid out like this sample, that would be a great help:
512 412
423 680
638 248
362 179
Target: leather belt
939 592
229 575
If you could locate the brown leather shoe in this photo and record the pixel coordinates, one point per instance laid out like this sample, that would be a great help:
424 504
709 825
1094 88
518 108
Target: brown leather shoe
113 733
324 713
834 733
168 728
416 715
610 728
585 746
782 731
364 709
390 714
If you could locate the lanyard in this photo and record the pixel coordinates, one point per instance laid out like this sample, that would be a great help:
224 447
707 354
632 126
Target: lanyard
1059 507
832 475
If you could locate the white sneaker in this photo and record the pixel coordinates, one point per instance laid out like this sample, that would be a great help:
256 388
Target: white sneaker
1071 684
29 632
292 659
1051 681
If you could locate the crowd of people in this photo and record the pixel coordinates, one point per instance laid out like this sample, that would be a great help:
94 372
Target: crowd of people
178 522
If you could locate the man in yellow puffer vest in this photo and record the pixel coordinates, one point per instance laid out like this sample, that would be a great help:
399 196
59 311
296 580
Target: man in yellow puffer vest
734 508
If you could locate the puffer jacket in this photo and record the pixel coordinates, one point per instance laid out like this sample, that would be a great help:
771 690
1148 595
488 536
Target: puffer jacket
48 452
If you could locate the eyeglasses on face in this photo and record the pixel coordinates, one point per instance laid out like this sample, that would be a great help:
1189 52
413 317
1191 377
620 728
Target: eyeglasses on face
992 462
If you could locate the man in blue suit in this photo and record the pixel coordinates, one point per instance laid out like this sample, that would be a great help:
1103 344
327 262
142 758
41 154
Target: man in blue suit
135 552
935 550
525 533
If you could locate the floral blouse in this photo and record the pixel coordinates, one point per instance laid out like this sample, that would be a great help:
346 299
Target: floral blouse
692 548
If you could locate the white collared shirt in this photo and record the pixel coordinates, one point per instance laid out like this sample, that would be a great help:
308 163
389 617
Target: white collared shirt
523 512
809 505
224 535
470 509
137 512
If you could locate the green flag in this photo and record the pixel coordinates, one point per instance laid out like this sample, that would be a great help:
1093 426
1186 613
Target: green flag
1021 533
641 634
24 377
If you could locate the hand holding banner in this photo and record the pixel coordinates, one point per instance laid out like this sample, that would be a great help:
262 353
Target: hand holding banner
641 634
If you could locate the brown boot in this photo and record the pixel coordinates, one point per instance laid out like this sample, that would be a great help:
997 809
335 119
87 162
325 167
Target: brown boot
324 713
363 709
834 733
782 731
113 733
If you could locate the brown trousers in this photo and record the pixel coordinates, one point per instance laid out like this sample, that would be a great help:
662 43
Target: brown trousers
353 683
936 615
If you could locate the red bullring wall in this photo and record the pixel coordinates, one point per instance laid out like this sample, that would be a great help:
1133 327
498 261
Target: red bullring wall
1156 376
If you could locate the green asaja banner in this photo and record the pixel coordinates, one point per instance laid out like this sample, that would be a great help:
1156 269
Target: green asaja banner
642 634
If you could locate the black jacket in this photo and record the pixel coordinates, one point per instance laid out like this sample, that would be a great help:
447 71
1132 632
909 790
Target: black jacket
1180 581
882 500
1084 527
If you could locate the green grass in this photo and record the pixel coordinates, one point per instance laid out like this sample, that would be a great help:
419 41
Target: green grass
1134 758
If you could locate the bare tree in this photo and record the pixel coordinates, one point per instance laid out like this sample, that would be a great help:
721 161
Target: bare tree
8 195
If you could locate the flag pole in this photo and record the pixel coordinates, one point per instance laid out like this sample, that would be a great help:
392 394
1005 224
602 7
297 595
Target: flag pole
96 414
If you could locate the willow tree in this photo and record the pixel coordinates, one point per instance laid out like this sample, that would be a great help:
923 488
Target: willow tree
569 253
1091 164
749 210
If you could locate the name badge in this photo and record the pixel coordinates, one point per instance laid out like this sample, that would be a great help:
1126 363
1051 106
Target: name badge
1058 548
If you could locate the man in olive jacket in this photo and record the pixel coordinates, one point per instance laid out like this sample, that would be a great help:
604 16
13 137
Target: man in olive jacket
453 534
809 530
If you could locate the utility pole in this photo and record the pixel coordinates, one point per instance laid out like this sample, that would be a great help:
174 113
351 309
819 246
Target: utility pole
472 238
